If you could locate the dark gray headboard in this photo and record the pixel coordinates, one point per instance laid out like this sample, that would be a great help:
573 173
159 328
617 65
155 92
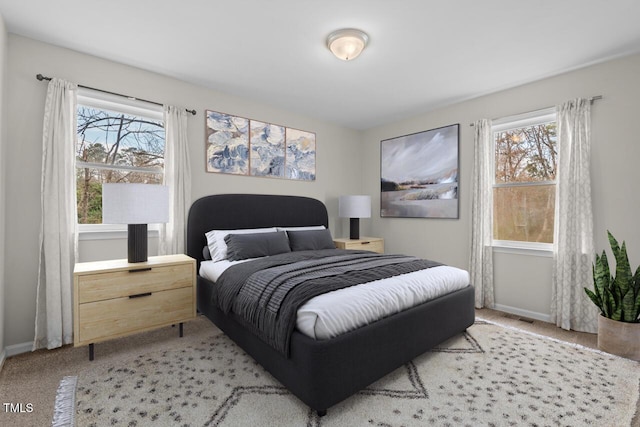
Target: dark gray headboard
235 211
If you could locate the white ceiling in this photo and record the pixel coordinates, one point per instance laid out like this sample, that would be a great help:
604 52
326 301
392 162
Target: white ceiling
422 54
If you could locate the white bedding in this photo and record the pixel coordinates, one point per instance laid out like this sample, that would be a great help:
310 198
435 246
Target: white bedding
337 312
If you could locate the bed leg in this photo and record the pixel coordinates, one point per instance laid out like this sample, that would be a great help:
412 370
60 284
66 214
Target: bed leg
321 412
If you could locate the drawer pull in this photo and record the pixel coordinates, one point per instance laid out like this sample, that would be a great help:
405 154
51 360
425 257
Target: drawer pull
138 270
146 294
365 243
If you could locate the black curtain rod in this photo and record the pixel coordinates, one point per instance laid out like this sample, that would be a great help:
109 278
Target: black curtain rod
591 100
41 77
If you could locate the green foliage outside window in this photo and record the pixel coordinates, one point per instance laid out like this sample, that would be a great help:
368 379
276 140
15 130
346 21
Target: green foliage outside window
114 147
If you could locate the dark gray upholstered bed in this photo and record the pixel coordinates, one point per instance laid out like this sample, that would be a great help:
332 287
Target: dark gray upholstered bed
321 373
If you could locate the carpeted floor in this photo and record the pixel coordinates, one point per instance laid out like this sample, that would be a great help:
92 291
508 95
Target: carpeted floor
489 376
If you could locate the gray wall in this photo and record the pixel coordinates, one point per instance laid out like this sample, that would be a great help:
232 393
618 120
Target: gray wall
347 163
523 282
3 178
338 157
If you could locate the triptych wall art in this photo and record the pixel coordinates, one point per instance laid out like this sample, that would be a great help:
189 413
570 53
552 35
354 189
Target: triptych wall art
419 174
240 146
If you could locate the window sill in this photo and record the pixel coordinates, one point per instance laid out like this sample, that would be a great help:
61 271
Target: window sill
111 234
543 250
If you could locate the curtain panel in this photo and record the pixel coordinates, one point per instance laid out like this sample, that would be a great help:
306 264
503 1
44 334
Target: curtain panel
573 253
481 263
177 176
58 236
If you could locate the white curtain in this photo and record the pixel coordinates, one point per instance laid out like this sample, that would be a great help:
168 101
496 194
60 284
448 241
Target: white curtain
573 243
177 176
481 264
58 237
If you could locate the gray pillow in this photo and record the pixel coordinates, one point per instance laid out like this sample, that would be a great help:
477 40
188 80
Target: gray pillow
255 245
206 254
310 240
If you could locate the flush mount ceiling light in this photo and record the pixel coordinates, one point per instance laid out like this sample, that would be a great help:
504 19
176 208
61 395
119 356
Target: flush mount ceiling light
347 43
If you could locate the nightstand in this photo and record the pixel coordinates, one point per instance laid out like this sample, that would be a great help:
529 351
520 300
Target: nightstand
374 244
116 298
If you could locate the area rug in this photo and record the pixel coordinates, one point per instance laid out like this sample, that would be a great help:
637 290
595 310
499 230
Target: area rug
488 376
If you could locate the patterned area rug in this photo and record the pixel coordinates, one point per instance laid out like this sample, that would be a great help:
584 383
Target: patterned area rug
488 376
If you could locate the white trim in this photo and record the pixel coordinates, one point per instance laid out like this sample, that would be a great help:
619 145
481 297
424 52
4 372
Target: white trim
102 234
14 350
87 228
523 248
3 356
119 104
523 184
545 115
537 117
89 165
524 313
109 233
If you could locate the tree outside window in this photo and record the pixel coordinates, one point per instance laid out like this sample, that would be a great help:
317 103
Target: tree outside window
525 183
116 147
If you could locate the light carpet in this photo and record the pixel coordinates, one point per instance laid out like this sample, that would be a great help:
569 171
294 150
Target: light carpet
488 376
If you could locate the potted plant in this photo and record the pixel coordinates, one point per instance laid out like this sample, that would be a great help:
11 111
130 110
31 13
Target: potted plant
618 298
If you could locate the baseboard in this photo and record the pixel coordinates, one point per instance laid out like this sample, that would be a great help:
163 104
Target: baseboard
14 350
524 313
3 356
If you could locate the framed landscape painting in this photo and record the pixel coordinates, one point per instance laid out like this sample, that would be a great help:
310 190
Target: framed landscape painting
419 174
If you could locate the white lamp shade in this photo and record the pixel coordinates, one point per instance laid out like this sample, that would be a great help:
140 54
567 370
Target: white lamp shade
135 203
354 207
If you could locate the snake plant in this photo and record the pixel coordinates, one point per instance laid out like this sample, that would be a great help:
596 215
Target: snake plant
618 298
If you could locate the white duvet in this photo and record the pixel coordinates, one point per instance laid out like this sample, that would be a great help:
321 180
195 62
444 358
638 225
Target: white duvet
337 312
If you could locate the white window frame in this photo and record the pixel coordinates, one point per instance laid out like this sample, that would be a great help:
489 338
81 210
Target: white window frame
514 122
121 104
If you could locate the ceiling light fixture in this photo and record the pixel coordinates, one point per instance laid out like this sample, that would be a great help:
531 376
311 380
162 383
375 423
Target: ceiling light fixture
347 43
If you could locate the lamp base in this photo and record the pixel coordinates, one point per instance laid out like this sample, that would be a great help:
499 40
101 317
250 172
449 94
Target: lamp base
354 228
137 242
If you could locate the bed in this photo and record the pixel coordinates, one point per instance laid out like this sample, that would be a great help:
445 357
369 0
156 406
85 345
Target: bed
320 373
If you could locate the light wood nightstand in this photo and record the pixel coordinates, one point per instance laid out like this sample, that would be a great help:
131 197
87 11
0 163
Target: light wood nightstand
374 244
116 298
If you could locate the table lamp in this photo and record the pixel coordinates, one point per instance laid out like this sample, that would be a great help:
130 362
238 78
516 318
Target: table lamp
135 205
354 208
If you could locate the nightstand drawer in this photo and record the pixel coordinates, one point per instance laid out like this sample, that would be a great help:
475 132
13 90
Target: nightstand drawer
120 316
373 244
367 245
136 280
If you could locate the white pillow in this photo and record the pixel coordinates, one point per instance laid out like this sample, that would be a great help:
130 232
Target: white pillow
217 245
311 227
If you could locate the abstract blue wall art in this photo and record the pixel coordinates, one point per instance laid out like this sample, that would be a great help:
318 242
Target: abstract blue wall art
240 146
419 174
300 155
267 149
227 143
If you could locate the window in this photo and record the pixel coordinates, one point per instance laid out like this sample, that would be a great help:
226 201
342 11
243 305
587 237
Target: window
525 180
118 140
